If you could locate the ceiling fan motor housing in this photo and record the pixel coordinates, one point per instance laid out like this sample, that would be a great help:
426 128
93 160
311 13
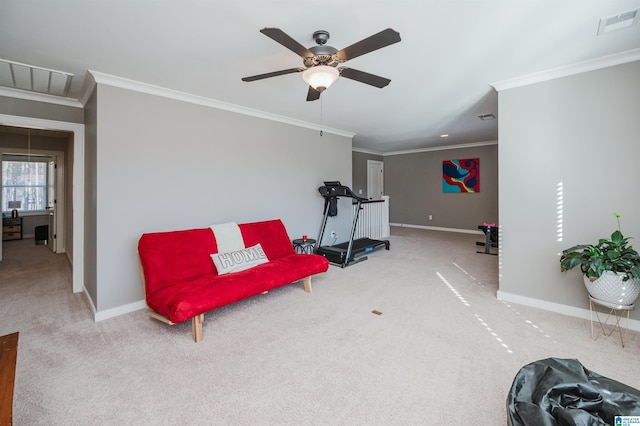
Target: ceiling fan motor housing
322 53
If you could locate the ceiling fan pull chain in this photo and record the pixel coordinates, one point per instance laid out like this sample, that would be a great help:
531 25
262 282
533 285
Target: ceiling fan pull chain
320 116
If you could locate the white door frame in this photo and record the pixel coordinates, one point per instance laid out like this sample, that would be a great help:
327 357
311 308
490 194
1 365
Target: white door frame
78 185
56 226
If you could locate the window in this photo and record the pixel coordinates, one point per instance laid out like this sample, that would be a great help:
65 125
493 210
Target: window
24 185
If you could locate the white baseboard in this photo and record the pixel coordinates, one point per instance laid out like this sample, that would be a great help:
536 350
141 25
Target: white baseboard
113 312
437 228
119 310
89 301
571 311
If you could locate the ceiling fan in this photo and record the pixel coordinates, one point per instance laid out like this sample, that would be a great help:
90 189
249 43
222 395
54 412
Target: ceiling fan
321 62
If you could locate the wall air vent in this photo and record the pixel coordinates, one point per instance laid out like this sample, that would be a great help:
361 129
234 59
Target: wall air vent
488 116
619 22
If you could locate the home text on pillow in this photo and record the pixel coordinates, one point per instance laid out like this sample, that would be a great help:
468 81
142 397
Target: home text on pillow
239 260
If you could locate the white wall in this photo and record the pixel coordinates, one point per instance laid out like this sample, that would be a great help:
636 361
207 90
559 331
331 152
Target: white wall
583 132
163 164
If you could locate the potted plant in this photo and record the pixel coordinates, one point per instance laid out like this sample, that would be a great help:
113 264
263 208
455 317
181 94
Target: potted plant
611 268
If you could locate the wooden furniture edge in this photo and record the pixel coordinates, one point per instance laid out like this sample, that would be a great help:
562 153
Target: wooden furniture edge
196 328
8 358
153 314
306 282
196 322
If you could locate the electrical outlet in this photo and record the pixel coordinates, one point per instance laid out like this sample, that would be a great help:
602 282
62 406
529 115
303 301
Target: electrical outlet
430 217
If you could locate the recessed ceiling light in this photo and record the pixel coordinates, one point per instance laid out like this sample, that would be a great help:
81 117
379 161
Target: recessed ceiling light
444 135
488 116
619 21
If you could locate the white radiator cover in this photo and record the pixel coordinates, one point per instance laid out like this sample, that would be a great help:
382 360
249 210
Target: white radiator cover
374 219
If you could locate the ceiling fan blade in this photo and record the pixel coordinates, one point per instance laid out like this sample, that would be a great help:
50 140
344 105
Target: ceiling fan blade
313 94
377 41
364 77
272 74
281 37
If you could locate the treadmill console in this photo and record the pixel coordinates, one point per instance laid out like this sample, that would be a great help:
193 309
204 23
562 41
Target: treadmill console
332 189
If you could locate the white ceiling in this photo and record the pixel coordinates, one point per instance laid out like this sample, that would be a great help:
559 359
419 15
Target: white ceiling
451 50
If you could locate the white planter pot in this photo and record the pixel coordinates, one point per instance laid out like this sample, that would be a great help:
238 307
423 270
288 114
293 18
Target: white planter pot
610 288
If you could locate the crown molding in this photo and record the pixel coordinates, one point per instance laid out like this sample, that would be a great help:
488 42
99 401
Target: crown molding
565 71
150 89
88 86
442 148
366 151
39 97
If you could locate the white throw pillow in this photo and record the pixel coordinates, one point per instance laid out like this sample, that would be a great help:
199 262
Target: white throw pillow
239 260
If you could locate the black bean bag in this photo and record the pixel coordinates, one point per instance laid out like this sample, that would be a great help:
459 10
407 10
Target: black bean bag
562 392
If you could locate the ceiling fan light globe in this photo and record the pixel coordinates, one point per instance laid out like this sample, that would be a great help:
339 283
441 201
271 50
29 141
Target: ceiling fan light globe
320 77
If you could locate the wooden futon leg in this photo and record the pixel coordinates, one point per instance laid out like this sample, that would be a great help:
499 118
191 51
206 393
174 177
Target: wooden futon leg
196 326
307 284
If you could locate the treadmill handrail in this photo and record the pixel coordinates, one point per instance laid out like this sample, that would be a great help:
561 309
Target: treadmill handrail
336 189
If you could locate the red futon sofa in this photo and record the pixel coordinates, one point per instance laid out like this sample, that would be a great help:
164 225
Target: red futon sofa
181 281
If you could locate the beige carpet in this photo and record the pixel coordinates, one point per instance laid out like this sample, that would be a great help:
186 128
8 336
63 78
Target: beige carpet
444 350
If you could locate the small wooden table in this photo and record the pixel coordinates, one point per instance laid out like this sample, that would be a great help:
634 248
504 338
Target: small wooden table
11 228
8 357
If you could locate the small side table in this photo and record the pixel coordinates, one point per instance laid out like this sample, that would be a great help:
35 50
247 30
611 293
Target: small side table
11 228
616 312
303 247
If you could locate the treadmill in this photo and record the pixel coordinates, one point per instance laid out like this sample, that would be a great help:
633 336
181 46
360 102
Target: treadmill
352 251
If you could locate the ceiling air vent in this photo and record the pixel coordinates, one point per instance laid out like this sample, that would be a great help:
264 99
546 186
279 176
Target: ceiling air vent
488 116
36 79
618 22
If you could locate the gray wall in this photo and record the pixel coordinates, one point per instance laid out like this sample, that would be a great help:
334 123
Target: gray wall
581 132
17 140
414 183
359 170
157 164
34 109
90 197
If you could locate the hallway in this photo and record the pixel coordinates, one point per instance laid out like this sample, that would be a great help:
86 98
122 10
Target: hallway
29 270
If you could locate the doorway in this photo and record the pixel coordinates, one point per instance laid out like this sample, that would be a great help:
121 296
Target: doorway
75 194
375 179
